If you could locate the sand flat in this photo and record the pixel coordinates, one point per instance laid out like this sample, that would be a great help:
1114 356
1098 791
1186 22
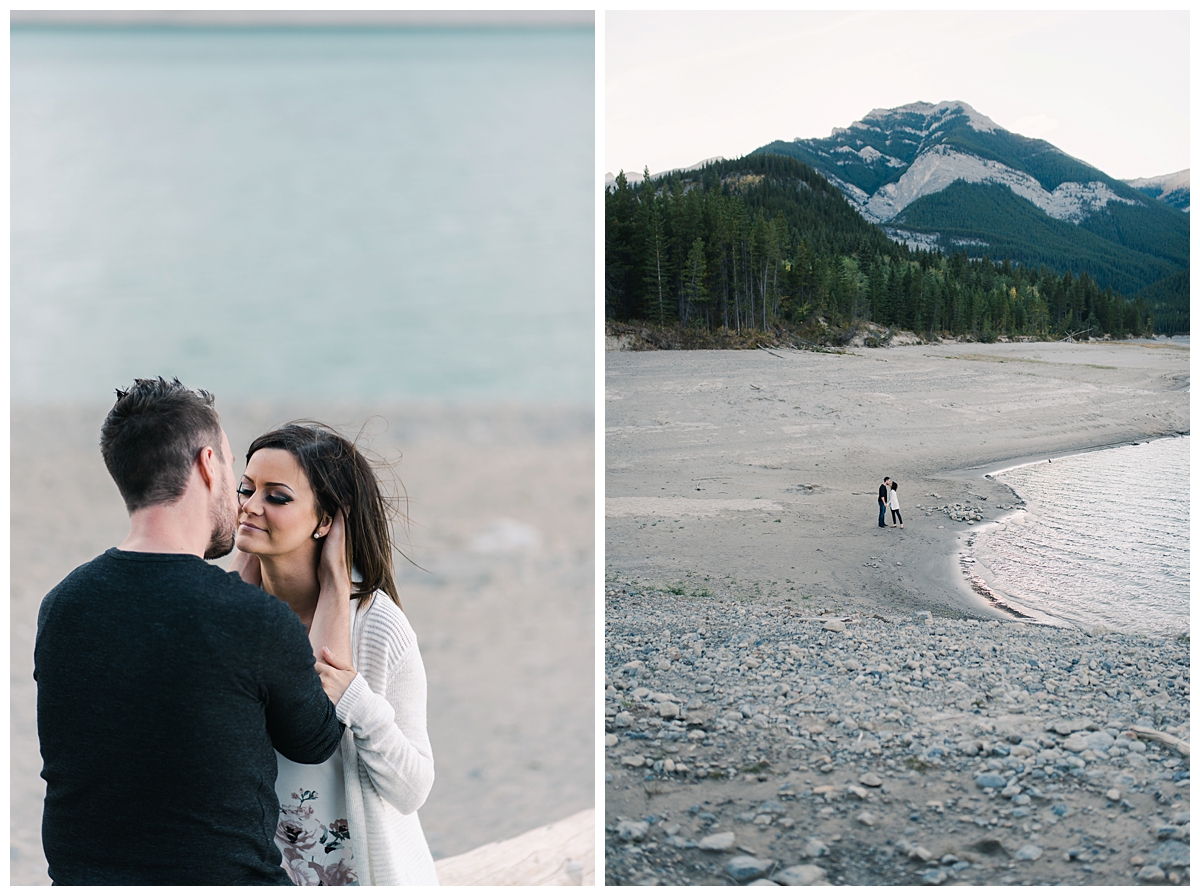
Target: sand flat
808 437
503 523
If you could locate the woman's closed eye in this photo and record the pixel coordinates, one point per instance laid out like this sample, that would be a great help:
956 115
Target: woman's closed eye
245 491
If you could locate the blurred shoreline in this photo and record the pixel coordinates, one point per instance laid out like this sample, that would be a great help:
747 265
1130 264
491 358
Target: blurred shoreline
501 503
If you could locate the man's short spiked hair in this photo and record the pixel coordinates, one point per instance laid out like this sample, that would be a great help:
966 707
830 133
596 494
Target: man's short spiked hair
152 436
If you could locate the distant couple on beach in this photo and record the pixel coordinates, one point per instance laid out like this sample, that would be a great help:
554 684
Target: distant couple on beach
889 500
262 726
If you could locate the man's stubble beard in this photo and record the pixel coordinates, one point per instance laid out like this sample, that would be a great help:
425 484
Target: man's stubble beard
224 519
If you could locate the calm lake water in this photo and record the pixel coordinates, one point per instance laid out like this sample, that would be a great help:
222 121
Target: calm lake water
331 213
1105 539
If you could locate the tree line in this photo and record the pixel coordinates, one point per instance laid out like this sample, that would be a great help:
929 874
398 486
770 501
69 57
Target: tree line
765 241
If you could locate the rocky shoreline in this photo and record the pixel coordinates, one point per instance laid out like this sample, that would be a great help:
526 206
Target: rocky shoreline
749 742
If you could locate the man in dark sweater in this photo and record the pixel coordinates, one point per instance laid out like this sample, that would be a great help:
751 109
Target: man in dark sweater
165 685
883 500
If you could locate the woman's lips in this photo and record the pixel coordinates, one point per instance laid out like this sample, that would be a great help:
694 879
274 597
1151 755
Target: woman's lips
250 528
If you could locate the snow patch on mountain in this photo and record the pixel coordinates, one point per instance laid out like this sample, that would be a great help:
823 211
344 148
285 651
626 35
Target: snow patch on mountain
1165 182
857 196
940 166
871 155
935 115
913 239
1173 189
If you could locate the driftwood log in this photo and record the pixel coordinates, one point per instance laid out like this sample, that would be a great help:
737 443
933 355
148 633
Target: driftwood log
1167 740
559 854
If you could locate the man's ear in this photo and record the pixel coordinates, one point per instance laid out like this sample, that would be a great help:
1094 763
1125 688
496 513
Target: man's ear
207 462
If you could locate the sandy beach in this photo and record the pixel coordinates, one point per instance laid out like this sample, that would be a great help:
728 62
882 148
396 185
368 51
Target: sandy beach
794 695
755 472
501 500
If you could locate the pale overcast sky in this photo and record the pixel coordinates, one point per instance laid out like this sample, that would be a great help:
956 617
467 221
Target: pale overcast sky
1108 88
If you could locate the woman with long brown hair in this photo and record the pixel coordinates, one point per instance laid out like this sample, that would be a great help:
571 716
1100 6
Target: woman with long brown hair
314 530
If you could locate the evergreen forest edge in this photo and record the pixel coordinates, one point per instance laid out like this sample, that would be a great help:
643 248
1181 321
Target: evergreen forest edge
766 244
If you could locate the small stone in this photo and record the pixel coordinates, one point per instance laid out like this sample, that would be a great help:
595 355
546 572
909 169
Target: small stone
668 710
633 761
1029 852
669 766
633 830
870 779
623 720
1171 854
991 780
920 853
923 618
799 876
762 882
814 848
721 842
934 877
865 818
610 740
860 792
835 625
1114 795
744 869
949 859
1151 874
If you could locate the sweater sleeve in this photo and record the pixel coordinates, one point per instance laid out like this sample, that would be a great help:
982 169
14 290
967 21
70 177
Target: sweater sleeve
301 721
384 707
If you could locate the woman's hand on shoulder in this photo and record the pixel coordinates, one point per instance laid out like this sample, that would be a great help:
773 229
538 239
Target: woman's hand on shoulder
336 674
332 572
248 567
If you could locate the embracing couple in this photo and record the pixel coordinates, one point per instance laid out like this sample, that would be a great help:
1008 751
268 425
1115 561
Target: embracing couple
889 500
187 735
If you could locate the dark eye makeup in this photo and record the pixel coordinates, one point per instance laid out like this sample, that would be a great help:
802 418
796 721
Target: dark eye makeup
245 491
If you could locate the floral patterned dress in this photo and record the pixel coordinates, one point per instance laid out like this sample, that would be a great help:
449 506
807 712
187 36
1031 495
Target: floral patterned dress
312 834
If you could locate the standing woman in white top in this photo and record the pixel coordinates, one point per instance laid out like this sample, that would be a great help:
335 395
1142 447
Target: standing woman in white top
894 505
310 510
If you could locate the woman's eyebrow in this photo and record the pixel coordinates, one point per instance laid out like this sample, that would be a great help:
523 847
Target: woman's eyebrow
280 484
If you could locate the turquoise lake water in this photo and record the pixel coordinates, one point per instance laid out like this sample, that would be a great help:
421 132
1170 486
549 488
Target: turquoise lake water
1105 539
281 213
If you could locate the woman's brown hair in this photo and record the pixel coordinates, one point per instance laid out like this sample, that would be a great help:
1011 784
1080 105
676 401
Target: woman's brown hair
343 479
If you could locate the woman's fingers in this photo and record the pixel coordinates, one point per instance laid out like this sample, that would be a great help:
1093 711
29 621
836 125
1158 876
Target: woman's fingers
335 677
332 660
332 568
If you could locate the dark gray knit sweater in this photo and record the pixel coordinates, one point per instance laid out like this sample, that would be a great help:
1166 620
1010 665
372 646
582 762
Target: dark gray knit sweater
165 685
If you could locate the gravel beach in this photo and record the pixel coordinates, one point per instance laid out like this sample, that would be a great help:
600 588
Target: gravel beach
747 742
502 504
794 695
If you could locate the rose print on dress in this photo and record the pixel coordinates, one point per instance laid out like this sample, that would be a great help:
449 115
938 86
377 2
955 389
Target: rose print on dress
308 845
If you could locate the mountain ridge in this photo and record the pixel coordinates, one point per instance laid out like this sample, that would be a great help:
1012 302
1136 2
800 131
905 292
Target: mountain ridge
897 166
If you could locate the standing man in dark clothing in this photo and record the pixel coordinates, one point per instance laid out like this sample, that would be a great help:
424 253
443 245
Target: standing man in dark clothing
883 500
165 685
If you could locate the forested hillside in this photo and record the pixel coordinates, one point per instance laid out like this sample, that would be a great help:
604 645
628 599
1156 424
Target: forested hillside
765 241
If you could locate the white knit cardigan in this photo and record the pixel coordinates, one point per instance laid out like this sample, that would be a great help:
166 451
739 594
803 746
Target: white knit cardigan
385 749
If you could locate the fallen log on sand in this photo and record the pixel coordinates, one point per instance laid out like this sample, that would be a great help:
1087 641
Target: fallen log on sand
559 854
1168 740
